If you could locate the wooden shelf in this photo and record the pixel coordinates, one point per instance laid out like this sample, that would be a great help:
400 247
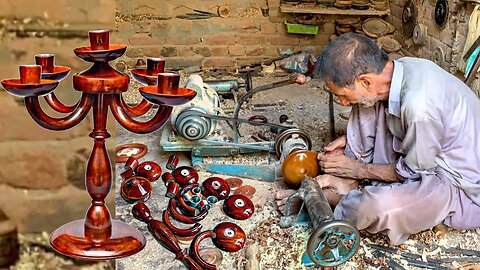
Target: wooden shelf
331 10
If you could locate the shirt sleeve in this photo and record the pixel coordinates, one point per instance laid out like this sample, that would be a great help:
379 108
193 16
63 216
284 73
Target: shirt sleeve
421 143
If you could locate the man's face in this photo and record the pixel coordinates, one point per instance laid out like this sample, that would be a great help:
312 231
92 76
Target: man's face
358 94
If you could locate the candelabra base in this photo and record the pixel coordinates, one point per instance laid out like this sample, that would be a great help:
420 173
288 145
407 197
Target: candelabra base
124 241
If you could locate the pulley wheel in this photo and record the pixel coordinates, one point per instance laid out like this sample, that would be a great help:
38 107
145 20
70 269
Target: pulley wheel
441 12
419 34
409 17
333 243
287 134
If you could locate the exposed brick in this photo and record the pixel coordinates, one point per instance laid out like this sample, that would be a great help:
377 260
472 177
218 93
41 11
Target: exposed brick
169 52
134 52
247 24
182 62
254 50
271 51
248 61
141 39
152 51
432 28
447 36
268 28
284 40
219 51
144 26
236 50
250 39
35 165
316 40
41 210
203 51
219 62
185 51
219 39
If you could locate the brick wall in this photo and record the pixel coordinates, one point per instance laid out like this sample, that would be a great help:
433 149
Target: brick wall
42 171
150 29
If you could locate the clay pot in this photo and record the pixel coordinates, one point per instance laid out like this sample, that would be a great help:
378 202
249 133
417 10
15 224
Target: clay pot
238 207
136 189
215 186
185 175
149 170
299 164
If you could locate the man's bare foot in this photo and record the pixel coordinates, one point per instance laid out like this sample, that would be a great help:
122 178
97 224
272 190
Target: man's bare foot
281 198
334 189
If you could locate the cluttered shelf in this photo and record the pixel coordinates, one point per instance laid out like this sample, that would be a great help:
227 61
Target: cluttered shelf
300 8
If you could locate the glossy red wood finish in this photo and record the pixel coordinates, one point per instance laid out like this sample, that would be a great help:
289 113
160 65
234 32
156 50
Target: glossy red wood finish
128 173
194 250
99 39
16 88
185 175
238 207
299 164
172 207
167 177
58 106
101 78
156 122
163 235
46 61
97 236
136 189
150 170
155 65
167 83
137 110
131 163
172 162
184 207
59 73
215 186
173 189
228 237
184 232
182 96
30 74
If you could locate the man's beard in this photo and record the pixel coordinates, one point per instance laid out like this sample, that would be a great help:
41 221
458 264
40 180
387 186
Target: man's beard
367 101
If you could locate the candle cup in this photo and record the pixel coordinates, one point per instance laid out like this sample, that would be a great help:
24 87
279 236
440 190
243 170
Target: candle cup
30 74
167 83
46 60
155 65
99 39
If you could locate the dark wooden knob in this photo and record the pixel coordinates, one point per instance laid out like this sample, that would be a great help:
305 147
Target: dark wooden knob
136 189
238 207
228 237
150 170
216 186
172 162
185 175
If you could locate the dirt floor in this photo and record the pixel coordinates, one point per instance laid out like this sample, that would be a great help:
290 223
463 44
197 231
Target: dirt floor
268 245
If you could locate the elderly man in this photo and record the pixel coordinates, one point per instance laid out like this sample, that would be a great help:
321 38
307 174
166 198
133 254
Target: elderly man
412 132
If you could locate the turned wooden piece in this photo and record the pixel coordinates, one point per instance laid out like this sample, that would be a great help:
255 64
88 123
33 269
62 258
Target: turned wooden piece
136 189
30 74
150 170
163 235
216 186
131 163
129 173
173 188
155 65
299 164
185 175
167 177
172 162
52 72
226 236
238 207
184 232
172 207
167 82
46 61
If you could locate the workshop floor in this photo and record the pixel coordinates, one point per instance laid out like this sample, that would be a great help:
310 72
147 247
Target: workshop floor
276 248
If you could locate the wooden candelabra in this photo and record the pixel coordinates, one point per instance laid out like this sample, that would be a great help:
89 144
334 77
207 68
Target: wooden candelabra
98 236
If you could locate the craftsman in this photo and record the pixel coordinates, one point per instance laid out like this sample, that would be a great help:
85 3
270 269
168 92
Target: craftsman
412 133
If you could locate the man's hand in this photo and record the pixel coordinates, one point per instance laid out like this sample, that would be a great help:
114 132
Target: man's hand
336 147
341 166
